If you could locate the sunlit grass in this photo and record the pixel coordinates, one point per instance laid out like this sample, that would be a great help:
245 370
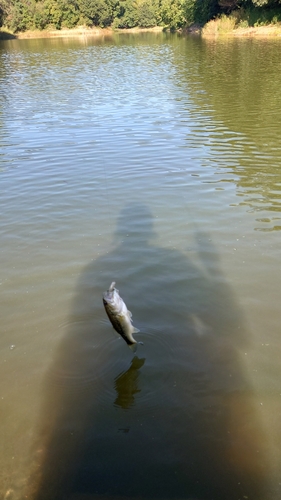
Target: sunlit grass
223 25
242 21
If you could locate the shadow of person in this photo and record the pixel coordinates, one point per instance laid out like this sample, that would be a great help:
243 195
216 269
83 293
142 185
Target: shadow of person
183 424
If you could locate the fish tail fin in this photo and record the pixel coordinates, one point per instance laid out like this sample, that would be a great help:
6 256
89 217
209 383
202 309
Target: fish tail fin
134 347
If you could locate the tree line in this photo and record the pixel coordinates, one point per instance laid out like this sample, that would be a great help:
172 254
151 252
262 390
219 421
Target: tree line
22 15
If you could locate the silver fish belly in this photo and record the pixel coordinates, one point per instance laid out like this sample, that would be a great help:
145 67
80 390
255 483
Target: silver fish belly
119 316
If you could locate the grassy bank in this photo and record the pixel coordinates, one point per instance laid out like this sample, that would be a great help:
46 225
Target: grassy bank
73 32
223 26
79 31
242 23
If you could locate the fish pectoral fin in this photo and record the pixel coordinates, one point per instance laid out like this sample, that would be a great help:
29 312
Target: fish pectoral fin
130 314
135 330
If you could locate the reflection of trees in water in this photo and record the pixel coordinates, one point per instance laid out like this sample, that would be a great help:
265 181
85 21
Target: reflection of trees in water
239 81
194 431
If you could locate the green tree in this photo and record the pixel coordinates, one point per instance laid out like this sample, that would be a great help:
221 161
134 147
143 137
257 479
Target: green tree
21 15
173 13
147 14
201 11
70 13
127 16
142 13
4 10
58 13
267 3
97 12
41 16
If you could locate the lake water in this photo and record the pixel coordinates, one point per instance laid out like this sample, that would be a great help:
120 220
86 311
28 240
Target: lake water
152 160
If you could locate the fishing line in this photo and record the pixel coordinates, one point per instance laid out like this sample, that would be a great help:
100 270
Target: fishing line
100 92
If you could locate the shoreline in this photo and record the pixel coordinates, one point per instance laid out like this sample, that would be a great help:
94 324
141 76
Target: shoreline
208 31
75 32
259 31
64 33
219 28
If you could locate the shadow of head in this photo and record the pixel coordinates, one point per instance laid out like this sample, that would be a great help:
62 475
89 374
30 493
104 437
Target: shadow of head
135 222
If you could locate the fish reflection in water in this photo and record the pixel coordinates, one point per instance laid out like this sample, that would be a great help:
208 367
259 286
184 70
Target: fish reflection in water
126 384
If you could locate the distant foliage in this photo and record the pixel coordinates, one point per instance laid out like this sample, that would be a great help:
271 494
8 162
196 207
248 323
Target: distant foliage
21 15
206 10
4 9
142 13
173 13
97 12
25 15
259 16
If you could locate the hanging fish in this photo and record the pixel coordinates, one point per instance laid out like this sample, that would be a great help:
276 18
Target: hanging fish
119 316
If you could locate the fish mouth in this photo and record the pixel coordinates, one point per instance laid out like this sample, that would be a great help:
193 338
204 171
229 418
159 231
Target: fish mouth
107 300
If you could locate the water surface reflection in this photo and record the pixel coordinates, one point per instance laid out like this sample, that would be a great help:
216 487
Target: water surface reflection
239 109
190 429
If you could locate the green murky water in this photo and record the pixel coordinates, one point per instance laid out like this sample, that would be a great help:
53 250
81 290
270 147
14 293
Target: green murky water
153 161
